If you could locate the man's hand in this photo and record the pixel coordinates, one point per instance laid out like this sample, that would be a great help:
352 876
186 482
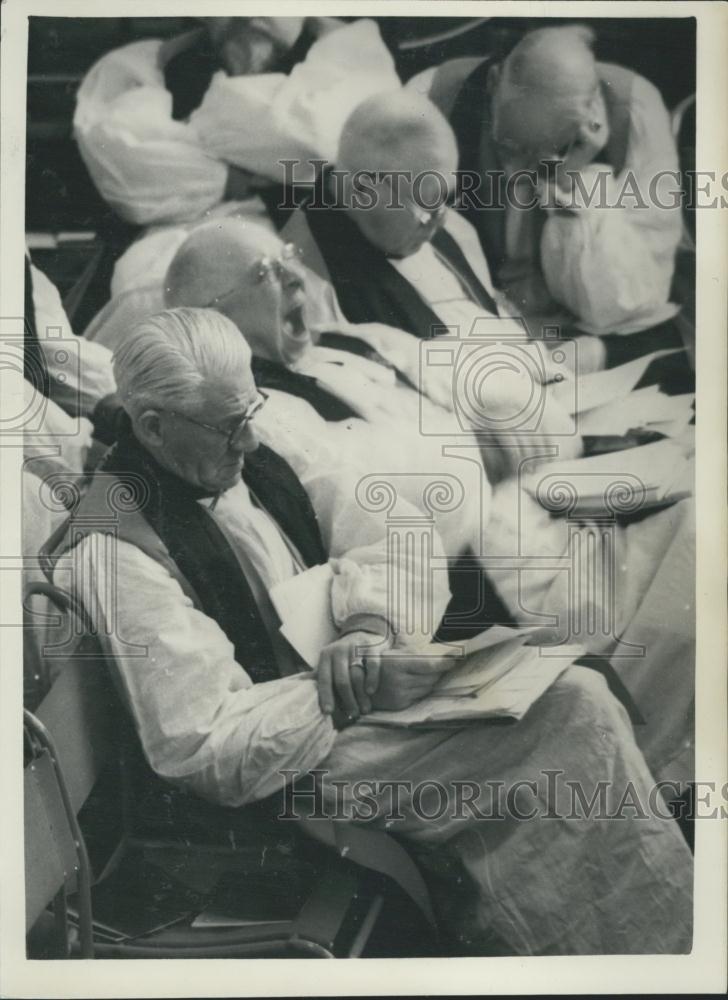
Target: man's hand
343 677
402 679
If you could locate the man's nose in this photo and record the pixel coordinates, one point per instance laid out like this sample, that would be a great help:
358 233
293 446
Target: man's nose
291 277
245 440
250 439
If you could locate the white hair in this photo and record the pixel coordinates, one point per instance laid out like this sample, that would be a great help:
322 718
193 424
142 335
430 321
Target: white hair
168 359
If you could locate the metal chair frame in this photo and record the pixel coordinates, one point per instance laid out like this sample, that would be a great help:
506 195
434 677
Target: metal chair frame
311 934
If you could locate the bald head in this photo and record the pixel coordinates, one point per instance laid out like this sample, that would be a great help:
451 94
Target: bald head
214 259
403 132
397 130
244 271
546 101
554 62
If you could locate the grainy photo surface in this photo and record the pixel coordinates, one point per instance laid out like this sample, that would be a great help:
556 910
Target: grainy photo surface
356 452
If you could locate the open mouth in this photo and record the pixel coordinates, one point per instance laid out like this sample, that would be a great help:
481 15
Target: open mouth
294 326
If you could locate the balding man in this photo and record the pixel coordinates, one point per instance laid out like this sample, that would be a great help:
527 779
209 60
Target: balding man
361 387
609 268
196 549
333 385
382 233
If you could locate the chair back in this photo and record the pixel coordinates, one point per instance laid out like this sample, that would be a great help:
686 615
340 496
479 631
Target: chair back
56 862
71 739
81 716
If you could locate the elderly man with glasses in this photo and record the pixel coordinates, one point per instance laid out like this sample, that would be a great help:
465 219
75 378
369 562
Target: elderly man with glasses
223 708
589 238
208 521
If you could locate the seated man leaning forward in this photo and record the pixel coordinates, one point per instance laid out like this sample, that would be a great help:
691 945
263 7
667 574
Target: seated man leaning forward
598 233
222 708
179 130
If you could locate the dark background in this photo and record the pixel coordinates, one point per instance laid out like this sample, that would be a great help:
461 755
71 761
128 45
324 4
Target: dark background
60 196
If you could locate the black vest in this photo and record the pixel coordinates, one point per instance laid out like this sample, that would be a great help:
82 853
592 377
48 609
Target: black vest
369 289
186 538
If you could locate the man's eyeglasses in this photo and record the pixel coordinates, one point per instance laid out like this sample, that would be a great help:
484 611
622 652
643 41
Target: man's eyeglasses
423 216
233 437
268 269
427 216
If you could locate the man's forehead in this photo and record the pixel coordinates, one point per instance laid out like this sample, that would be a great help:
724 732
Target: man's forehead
253 246
230 395
531 123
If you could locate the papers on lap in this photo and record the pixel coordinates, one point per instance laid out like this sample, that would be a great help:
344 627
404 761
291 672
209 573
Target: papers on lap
498 677
501 681
604 387
657 473
649 408
303 604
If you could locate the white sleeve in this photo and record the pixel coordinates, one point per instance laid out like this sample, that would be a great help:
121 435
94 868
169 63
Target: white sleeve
87 366
254 121
147 166
373 576
612 267
53 440
202 722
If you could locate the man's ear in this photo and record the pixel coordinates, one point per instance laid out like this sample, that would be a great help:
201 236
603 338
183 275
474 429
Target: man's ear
493 79
148 429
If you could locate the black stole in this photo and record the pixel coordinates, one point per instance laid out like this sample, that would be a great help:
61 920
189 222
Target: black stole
272 375
370 290
187 75
201 551
470 118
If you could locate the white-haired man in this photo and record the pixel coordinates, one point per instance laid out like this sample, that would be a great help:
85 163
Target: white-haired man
189 397
373 416
597 234
194 558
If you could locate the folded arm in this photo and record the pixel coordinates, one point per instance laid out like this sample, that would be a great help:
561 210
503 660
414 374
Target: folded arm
201 721
148 167
612 267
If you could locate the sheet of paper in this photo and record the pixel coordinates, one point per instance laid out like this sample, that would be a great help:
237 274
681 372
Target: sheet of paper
657 466
303 604
672 428
483 666
510 696
640 408
494 636
605 386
